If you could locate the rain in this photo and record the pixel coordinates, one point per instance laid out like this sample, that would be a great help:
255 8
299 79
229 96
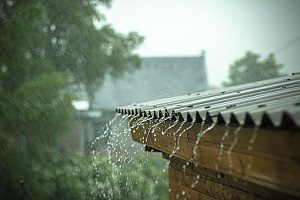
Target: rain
115 99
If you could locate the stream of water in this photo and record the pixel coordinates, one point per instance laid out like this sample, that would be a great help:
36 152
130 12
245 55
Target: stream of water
122 149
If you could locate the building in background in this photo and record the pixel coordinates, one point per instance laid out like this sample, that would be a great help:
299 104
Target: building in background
84 128
158 77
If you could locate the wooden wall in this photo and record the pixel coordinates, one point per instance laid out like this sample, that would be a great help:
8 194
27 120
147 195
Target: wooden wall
191 183
261 163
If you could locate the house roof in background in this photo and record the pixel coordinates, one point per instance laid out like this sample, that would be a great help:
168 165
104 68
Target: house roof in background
158 77
273 103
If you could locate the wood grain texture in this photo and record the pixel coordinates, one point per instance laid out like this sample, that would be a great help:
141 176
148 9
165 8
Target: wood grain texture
266 158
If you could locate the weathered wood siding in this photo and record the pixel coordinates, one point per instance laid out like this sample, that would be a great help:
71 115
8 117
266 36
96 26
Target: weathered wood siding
253 163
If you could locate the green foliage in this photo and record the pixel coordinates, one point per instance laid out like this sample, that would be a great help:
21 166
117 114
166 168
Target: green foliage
15 166
45 46
250 69
144 178
80 177
42 36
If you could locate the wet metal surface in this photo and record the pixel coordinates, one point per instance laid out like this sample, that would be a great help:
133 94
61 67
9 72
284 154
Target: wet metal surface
273 103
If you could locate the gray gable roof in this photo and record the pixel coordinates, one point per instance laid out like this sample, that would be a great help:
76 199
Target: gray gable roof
158 77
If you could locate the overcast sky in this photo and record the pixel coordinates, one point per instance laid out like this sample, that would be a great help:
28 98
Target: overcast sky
224 29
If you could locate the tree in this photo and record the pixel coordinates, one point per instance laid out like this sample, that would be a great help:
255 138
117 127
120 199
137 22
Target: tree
46 46
86 52
251 68
62 35
95 178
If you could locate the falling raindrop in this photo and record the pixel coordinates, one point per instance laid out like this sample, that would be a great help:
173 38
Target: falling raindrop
222 142
176 141
10 3
4 68
229 152
250 148
199 136
179 136
54 40
52 27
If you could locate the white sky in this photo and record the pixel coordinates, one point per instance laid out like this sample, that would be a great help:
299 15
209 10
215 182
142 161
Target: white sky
224 28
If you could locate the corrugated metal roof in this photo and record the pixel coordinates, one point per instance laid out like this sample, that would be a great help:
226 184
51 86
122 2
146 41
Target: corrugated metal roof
271 103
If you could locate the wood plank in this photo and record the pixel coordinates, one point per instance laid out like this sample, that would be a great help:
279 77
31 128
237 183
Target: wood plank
206 186
286 141
263 171
227 180
264 141
273 162
181 192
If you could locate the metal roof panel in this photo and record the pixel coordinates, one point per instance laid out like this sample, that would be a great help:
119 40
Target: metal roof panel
270 103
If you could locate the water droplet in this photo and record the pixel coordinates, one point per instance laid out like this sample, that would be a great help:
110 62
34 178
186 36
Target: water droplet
52 27
10 3
250 148
4 68
54 40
